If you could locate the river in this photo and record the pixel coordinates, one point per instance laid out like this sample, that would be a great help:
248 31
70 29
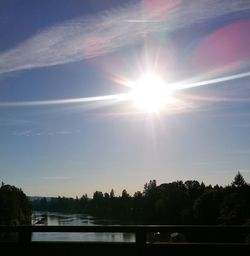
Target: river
62 219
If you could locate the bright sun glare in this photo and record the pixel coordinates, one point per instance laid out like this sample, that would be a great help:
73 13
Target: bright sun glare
150 93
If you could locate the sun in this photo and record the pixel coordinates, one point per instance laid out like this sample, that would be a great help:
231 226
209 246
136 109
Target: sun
150 93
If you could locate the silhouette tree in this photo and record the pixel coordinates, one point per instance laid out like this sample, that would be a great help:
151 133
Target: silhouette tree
150 188
193 188
171 201
150 196
178 202
239 181
15 209
98 195
106 195
125 194
138 213
112 193
138 194
207 207
233 209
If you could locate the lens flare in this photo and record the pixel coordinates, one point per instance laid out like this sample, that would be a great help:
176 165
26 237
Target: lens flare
150 93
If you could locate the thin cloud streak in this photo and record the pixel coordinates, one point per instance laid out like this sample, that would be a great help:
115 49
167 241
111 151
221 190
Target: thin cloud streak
211 81
142 21
22 133
30 133
91 36
126 96
17 122
64 101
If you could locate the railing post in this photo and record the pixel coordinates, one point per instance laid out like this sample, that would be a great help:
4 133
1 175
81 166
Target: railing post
140 238
24 236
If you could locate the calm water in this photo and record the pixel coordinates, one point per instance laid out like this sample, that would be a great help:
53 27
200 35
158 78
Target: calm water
60 219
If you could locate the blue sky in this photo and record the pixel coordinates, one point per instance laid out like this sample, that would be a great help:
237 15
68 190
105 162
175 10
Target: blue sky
56 52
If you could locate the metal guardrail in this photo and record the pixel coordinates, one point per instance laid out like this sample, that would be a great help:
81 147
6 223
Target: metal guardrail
234 234
201 240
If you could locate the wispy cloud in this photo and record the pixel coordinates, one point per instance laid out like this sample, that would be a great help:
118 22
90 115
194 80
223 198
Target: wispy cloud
22 133
92 36
30 133
65 132
64 101
16 122
180 86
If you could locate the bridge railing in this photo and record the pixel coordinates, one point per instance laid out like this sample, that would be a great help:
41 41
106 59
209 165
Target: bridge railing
145 234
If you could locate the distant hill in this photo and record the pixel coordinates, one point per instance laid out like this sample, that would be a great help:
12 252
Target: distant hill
33 198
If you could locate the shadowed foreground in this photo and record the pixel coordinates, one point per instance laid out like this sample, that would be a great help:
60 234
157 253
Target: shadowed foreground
71 248
153 240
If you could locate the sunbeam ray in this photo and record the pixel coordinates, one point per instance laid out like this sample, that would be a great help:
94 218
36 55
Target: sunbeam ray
122 96
182 86
118 97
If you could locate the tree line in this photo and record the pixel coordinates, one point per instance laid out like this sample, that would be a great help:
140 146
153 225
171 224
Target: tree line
15 209
178 202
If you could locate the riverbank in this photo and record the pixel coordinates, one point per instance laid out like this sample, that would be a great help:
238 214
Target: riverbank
63 219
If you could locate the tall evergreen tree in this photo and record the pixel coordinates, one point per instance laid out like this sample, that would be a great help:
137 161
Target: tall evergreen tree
239 181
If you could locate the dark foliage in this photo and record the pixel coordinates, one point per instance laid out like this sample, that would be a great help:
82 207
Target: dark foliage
15 207
190 202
